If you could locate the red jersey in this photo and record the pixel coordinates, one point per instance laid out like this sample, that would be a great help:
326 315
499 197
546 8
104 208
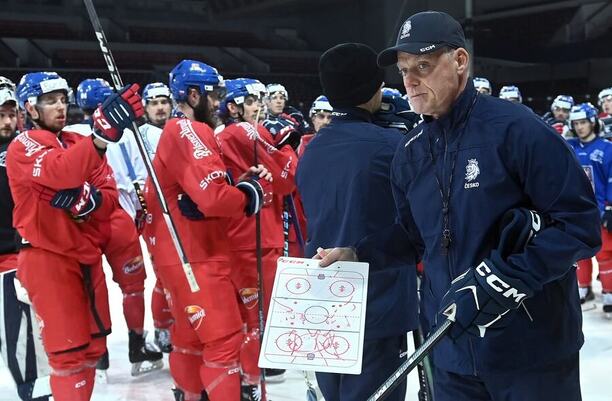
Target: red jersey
304 142
188 161
237 149
39 157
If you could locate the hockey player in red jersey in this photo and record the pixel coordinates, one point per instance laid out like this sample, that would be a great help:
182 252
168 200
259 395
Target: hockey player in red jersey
239 110
64 192
605 117
320 116
122 244
20 344
207 332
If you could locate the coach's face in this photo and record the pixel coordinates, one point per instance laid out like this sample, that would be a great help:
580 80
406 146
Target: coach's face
433 81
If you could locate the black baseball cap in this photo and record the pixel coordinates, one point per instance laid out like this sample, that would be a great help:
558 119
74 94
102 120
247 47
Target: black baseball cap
423 33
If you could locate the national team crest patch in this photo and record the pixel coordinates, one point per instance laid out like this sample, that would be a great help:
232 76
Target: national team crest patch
472 171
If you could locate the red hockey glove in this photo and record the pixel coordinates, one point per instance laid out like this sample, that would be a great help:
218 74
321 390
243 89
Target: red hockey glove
79 202
117 113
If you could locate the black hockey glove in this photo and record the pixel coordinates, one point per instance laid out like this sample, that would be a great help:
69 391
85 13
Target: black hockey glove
479 300
188 208
79 202
606 219
117 113
255 193
484 298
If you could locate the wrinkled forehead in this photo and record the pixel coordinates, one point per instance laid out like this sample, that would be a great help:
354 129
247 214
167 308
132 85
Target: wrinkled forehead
407 59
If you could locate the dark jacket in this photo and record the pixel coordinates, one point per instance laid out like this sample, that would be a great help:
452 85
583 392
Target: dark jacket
504 157
343 178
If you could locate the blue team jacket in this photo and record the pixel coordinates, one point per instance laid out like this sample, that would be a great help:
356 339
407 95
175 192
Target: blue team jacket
504 157
343 179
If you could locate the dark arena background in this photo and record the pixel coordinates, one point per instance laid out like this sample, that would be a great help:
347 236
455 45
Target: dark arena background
545 48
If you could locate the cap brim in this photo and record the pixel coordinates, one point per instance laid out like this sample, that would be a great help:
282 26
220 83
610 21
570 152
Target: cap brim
389 56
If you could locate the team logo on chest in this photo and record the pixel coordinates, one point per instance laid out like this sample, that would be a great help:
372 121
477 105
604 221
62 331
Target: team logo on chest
3 159
472 171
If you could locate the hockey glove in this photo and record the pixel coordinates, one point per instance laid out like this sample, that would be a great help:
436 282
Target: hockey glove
606 219
481 299
517 227
188 208
79 202
285 131
117 113
256 192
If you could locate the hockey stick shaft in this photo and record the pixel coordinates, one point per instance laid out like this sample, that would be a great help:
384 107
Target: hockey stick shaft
259 256
118 84
400 374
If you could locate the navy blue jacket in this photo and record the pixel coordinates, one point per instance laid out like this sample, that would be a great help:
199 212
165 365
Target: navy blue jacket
343 179
505 157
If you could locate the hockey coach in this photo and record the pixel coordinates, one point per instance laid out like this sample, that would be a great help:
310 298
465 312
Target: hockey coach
493 202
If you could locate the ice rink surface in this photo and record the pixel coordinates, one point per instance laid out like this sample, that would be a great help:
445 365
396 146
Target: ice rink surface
595 368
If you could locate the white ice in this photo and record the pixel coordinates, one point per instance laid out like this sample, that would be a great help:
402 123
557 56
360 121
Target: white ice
595 368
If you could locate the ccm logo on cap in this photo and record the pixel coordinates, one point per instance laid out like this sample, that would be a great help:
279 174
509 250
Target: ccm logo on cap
424 49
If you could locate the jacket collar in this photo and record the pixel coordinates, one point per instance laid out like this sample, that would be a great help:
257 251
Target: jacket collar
458 110
351 114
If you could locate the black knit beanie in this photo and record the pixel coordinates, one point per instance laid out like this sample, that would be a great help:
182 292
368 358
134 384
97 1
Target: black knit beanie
349 74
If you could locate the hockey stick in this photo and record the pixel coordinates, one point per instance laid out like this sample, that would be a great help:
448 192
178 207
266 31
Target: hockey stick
118 83
260 283
425 391
400 374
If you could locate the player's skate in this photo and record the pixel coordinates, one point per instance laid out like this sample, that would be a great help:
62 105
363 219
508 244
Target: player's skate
586 295
607 304
101 368
162 340
179 395
143 357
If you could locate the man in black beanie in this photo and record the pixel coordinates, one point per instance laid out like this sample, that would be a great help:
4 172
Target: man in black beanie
343 178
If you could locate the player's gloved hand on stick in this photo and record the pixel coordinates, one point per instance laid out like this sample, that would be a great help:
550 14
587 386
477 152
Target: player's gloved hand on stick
483 298
256 184
480 299
117 113
606 219
188 208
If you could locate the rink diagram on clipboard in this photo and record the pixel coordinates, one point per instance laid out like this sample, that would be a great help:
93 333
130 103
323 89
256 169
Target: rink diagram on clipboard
317 316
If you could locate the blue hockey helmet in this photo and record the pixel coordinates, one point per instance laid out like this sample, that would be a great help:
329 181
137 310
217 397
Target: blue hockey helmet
153 90
482 83
510 92
321 103
36 84
92 92
565 102
271 89
191 73
238 89
584 111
